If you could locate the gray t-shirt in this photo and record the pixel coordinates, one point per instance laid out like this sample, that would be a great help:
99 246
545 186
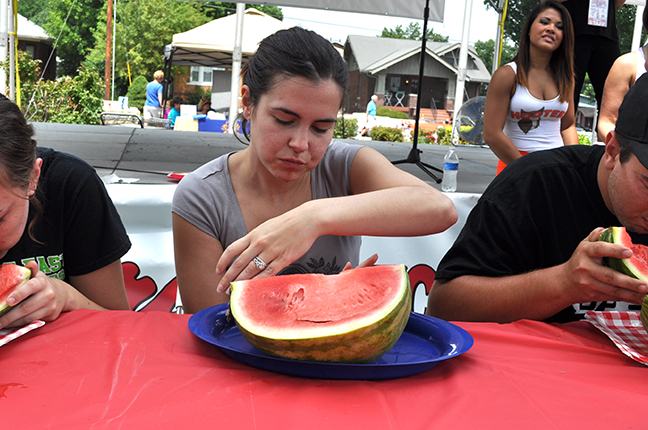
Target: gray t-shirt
206 199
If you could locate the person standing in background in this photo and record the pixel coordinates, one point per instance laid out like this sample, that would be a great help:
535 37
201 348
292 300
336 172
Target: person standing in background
597 42
529 104
371 115
153 104
624 73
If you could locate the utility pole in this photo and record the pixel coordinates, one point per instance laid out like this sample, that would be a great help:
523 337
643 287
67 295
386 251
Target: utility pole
109 17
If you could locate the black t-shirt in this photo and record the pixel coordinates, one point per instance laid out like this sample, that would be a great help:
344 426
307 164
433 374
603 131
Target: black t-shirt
579 11
80 230
533 216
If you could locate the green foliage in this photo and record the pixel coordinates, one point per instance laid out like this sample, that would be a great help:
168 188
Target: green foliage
143 29
516 14
390 113
193 96
28 68
584 139
70 100
76 29
137 93
625 18
350 128
444 136
387 134
424 136
412 31
218 9
486 51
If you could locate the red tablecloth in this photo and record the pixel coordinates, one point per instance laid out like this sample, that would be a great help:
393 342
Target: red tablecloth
127 370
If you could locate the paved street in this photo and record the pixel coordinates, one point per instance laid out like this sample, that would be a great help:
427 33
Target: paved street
149 154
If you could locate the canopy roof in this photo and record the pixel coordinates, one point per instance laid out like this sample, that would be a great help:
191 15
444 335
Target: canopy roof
212 44
401 8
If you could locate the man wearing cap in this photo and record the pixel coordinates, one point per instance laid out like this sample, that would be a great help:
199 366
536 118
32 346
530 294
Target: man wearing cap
529 248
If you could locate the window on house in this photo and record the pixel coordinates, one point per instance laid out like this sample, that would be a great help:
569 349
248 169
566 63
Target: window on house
30 49
201 76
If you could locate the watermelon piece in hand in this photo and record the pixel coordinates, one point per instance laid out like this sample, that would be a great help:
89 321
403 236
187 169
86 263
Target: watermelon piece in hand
11 276
635 266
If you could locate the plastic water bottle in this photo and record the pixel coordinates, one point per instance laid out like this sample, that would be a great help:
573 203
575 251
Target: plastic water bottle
450 168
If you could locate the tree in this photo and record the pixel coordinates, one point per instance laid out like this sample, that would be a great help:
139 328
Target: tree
625 19
486 51
75 22
413 31
143 29
517 12
82 25
215 10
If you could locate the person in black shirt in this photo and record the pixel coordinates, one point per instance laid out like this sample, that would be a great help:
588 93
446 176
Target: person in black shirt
529 248
57 219
597 42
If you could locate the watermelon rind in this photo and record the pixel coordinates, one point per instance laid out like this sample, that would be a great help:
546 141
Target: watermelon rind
361 341
11 277
623 265
613 235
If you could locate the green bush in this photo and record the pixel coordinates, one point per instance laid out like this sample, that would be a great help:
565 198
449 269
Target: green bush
137 93
444 136
387 134
350 128
193 97
424 136
67 100
391 113
584 139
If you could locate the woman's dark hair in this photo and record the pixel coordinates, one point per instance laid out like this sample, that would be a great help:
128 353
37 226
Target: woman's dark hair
177 100
562 59
17 151
294 52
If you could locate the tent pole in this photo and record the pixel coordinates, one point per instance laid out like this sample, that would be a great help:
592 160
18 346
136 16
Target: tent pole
414 157
237 57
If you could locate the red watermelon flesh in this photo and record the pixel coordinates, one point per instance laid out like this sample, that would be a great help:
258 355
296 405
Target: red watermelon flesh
635 266
355 316
11 276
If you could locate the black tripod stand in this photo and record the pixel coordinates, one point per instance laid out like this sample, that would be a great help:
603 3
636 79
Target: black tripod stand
414 157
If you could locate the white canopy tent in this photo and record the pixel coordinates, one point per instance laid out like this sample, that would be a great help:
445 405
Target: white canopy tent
213 43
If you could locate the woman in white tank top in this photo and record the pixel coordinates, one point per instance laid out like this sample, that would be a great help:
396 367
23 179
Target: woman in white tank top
624 73
529 101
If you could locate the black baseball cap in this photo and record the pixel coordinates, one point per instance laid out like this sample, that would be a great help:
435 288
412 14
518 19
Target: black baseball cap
632 122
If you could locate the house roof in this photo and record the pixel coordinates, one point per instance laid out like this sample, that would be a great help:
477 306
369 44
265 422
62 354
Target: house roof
374 54
27 30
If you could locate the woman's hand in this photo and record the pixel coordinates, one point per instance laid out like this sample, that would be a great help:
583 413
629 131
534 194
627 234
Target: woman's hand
40 298
368 262
277 243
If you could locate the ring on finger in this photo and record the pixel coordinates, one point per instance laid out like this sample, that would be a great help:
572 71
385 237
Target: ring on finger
260 264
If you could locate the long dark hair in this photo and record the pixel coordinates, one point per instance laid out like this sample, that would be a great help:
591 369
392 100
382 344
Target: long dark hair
17 151
292 52
562 59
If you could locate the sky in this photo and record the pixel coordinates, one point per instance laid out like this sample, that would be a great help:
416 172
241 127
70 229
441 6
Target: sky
336 26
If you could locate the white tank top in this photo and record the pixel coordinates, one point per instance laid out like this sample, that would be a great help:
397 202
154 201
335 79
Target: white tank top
533 124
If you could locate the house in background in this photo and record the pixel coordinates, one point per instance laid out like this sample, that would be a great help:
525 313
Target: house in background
389 68
38 44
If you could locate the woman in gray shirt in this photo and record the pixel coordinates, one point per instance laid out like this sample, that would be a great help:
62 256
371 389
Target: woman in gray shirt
292 201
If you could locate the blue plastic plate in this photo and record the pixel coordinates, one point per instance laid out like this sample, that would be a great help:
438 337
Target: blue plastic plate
425 342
